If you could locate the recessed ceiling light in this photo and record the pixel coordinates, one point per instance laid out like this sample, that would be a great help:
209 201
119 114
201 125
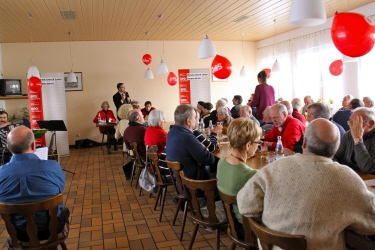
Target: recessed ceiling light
240 19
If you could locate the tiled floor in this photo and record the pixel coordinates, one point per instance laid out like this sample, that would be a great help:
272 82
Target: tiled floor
107 213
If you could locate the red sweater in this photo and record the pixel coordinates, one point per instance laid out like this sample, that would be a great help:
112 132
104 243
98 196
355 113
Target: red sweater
105 117
156 136
292 130
299 116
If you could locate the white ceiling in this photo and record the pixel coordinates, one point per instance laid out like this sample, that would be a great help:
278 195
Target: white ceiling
129 20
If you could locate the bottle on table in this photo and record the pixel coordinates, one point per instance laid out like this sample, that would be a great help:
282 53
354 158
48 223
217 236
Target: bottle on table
201 126
99 119
279 150
210 127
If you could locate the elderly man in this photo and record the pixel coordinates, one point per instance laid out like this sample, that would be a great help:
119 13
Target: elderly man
290 129
213 114
136 132
26 178
342 116
357 148
182 146
296 104
368 102
309 194
246 112
320 110
237 100
307 100
267 124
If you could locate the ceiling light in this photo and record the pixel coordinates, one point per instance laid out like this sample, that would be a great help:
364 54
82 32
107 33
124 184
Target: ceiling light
206 48
33 71
71 77
162 68
149 75
243 71
276 65
305 13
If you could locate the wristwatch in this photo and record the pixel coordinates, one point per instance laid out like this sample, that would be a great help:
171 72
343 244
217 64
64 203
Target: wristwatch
357 141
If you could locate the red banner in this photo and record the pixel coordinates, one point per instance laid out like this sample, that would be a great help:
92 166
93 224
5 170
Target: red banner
184 86
36 113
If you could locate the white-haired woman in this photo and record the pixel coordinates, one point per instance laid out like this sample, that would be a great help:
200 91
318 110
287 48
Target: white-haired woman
224 116
155 134
106 115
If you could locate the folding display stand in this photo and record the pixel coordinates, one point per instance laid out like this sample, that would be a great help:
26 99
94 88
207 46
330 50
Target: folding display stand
53 126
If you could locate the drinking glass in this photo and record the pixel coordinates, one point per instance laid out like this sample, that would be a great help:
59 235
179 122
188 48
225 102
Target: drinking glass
220 135
264 149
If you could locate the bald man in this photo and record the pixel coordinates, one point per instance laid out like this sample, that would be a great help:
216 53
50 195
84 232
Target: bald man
328 196
26 178
246 112
290 129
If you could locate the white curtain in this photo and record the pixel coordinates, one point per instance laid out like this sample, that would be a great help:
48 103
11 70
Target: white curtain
305 65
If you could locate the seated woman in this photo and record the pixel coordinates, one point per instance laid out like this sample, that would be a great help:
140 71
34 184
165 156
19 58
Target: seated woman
223 116
105 114
232 171
206 109
123 114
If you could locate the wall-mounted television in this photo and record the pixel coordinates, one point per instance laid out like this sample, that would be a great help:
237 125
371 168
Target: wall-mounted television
10 87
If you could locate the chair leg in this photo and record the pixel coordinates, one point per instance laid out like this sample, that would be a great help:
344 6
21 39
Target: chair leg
157 198
233 246
140 191
138 174
63 246
162 202
176 213
184 220
132 174
101 146
217 238
193 236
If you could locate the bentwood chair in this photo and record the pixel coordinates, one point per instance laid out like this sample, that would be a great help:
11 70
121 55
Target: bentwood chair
269 238
174 169
234 232
195 187
162 182
137 166
28 211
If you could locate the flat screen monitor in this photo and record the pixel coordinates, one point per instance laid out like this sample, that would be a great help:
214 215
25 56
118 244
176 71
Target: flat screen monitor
10 87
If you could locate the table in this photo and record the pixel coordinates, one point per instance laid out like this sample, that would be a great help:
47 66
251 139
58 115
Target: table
106 125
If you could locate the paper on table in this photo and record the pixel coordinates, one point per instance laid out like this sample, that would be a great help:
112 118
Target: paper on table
370 183
42 153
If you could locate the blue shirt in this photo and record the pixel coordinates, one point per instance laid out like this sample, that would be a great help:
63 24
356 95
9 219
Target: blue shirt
182 146
26 178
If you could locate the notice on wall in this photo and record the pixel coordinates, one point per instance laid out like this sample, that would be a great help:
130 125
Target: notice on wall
194 86
36 112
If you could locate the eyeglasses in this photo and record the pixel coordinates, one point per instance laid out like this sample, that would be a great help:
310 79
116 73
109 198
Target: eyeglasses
257 142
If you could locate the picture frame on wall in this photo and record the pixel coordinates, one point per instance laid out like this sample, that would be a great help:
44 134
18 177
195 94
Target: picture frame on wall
73 86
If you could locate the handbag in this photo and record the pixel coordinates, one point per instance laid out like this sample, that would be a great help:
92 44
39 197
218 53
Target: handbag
147 181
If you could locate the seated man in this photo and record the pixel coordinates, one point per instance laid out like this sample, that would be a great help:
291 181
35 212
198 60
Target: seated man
290 129
320 110
267 123
296 104
368 102
342 116
206 110
183 146
26 178
237 100
246 112
147 109
309 194
136 132
307 100
357 148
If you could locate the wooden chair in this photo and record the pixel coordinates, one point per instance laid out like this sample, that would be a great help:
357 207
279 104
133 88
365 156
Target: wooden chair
163 184
233 229
174 169
28 211
269 237
358 241
211 221
137 166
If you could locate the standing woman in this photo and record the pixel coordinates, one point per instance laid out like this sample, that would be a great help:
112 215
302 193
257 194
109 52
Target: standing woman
264 95
107 115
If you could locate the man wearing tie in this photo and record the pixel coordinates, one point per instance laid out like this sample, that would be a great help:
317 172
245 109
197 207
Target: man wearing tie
121 97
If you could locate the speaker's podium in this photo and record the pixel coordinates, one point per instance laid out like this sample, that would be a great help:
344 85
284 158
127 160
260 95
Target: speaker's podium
53 126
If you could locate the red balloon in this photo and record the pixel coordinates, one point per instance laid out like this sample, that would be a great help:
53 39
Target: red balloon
35 84
352 34
146 59
171 79
268 72
221 67
336 67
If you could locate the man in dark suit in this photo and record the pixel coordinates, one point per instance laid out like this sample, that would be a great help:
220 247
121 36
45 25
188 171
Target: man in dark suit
121 97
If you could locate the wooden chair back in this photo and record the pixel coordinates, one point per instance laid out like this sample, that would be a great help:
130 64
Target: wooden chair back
134 146
269 237
152 154
233 229
174 169
195 188
28 211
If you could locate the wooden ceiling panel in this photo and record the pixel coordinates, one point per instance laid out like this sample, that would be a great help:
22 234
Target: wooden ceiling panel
123 20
